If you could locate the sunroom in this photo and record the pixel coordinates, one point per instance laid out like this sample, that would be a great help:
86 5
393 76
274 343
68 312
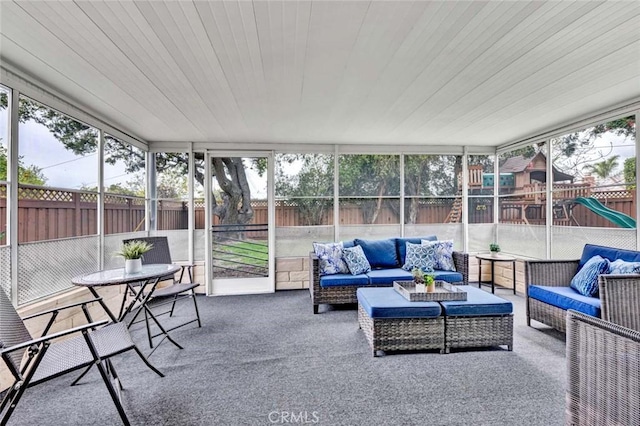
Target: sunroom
245 131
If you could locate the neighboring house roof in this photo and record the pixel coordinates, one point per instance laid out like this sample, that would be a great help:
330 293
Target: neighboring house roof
519 164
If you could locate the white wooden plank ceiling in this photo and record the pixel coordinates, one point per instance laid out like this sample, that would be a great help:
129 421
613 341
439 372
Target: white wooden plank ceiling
353 72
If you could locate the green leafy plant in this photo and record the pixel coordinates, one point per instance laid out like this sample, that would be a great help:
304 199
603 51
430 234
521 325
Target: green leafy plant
429 279
493 247
421 277
134 249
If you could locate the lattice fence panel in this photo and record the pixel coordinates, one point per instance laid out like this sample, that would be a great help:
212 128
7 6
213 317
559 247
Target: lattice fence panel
47 267
605 195
5 270
88 197
45 194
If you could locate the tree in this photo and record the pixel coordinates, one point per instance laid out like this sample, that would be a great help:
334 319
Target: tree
115 188
233 204
604 168
574 151
309 187
429 176
369 179
629 172
29 175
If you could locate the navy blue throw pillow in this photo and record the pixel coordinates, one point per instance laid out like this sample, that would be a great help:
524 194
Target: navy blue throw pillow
380 253
585 281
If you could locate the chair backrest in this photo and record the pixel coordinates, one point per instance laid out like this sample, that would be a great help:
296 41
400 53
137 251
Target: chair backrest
620 300
158 254
12 329
603 378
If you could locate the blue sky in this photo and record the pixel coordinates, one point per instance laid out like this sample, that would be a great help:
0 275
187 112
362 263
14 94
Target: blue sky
61 167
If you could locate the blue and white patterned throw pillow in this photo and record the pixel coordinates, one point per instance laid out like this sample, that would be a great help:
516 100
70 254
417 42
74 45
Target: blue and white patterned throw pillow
585 281
621 267
443 254
356 260
330 258
419 256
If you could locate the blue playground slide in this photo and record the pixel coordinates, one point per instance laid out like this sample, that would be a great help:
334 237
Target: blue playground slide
620 219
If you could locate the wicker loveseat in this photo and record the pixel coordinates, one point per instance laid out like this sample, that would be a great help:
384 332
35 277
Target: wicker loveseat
341 288
548 291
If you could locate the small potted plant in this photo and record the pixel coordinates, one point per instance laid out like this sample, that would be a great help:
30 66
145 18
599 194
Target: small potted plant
494 248
430 283
132 253
418 279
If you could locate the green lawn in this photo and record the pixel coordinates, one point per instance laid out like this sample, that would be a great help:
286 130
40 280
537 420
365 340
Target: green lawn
248 252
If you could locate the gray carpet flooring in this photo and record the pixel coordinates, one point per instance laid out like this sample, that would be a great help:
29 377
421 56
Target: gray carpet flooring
266 359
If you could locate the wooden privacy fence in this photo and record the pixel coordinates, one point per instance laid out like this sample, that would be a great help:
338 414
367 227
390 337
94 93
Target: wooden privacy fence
51 213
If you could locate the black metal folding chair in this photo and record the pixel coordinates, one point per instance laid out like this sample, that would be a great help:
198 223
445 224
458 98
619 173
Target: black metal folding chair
170 294
32 361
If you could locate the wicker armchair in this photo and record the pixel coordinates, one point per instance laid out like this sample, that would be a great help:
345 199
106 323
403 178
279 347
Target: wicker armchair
620 297
555 273
347 294
619 294
603 372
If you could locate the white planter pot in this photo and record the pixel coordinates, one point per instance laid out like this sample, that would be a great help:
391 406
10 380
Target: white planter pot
420 288
132 266
495 254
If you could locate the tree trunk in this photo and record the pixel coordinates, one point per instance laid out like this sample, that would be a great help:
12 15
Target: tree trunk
235 208
414 206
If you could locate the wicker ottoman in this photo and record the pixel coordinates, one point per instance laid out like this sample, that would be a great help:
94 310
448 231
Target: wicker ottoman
482 320
392 323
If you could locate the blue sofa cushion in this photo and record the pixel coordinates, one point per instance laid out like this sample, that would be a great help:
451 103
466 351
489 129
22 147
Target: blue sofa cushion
621 267
609 253
421 257
448 276
344 279
566 298
380 253
478 303
401 245
585 281
388 276
348 243
385 302
356 260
